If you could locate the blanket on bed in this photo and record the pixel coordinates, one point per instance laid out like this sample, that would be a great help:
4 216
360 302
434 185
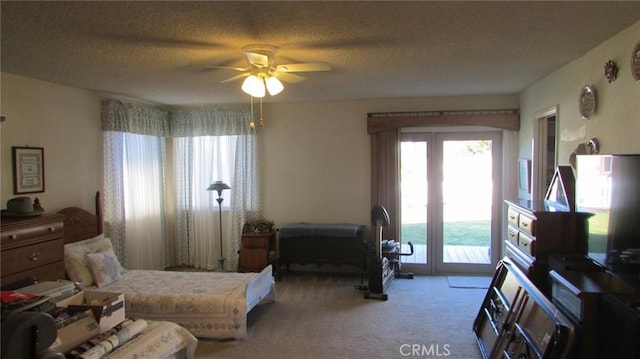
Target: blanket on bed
207 304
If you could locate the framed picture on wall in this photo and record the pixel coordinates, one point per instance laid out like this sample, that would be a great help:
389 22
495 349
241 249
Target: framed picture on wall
524 175
28 169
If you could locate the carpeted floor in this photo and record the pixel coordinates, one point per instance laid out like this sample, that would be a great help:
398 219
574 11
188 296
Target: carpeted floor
324 316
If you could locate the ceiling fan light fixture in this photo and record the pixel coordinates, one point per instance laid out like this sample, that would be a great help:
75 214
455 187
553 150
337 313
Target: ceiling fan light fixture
274 86
253 86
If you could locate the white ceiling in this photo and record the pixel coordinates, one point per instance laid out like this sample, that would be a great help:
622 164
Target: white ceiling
161 52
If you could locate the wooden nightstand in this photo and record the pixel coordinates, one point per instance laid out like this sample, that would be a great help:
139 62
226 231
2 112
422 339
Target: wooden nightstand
258 250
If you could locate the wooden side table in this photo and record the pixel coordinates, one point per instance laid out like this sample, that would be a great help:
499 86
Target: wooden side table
258 250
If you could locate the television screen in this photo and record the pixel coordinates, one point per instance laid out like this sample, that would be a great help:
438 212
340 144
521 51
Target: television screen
608 187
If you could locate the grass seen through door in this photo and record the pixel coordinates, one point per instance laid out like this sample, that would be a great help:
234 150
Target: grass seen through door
462 233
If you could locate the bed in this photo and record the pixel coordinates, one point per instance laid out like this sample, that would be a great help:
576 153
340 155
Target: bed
210 305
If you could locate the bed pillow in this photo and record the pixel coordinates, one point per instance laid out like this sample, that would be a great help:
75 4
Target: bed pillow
104 267
75 258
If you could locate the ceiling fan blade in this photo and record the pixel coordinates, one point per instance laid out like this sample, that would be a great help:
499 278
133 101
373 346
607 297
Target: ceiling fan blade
257 59
241 69
290 78
304 67
236 77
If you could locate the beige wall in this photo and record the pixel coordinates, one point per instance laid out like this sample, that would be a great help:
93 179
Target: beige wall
316 156
616 123
65 121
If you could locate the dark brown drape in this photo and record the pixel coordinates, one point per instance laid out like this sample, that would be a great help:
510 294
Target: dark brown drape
385 173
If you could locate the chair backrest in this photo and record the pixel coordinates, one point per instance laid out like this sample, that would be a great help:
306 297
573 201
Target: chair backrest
379 215
28 335
379 218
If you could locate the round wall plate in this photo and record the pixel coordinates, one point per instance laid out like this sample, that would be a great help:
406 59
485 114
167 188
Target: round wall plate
635 62
587 102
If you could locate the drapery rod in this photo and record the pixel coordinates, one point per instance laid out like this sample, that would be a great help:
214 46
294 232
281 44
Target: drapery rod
501 119
443 113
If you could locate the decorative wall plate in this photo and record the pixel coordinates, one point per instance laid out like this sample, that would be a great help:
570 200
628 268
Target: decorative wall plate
587 102
635 62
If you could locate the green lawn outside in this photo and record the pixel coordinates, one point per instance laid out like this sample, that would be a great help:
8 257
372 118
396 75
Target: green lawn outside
465 233
476 233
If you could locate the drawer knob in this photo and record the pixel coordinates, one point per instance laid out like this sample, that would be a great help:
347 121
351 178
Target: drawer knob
34 256
13 236
52 229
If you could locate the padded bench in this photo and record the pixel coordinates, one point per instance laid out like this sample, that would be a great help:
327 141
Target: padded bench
318 243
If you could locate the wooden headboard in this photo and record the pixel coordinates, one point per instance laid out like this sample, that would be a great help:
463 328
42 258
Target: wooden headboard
81 224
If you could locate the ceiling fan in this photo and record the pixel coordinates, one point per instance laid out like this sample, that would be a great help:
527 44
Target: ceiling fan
263 75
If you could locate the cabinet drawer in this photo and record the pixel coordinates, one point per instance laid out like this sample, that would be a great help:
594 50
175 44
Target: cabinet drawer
255 242
526 243
28 257
512 235
47 272
513 217
527 224
253 260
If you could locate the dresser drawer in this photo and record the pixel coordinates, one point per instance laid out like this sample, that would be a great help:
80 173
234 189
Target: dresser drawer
513 217
32 256
527 224
512 235
526 244
21 235
47 272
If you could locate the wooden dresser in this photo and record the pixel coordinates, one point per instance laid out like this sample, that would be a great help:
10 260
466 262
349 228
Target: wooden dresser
536 230
32 248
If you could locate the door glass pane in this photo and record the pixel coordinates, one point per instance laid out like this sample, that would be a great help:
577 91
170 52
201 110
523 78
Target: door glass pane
413 187
466 194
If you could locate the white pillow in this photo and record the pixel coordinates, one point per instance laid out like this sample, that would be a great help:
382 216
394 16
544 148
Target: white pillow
105 267
75 258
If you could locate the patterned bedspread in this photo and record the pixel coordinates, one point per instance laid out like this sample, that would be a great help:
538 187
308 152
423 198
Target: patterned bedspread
207 304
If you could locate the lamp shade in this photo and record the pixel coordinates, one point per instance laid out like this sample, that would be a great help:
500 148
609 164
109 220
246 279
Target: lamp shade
274 86
253 86
218 186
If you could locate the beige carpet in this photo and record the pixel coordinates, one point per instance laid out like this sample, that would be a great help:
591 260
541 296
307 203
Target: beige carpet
324 316
469 282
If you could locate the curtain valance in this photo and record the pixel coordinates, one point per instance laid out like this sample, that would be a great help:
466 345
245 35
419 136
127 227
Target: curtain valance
122 117
502 119
210 122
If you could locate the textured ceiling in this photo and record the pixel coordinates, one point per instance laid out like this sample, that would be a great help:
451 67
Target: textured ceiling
162 52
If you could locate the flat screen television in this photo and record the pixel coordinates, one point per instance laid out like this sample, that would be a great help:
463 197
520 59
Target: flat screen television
609 187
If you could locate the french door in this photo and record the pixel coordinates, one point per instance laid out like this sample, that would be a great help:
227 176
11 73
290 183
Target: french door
450 201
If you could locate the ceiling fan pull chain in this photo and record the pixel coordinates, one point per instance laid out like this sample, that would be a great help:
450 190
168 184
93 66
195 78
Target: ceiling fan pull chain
261 121
252 124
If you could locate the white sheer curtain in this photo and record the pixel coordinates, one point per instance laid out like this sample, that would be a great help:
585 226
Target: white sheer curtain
134 166
217 145
208 145
198 162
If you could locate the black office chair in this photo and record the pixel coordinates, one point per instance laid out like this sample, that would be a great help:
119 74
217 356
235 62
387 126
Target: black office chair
28 335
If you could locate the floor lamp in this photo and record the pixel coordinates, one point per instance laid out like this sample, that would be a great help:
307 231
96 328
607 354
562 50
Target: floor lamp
219 186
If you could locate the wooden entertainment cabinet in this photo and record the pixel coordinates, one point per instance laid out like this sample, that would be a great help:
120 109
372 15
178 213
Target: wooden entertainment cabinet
32 248
536 230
